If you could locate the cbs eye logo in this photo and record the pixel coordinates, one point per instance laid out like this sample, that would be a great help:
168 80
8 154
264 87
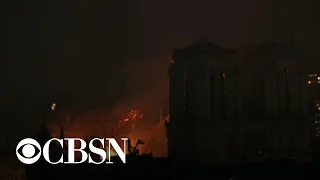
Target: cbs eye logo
27 149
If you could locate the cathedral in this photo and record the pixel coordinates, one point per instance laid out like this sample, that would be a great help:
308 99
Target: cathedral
231 106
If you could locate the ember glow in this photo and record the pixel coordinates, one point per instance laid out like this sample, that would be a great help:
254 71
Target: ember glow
131 125
133 115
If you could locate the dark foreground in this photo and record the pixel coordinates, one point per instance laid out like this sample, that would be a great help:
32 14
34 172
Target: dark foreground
163 168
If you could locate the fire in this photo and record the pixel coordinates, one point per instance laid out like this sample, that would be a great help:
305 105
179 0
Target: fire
133 115
132 125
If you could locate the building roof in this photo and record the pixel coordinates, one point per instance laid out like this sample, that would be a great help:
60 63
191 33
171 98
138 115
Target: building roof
205 46
272 48
201 48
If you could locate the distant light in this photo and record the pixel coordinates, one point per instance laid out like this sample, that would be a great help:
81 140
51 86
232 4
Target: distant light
53 106
309 82
312 75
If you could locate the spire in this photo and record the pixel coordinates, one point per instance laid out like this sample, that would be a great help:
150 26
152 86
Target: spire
62 137
61 133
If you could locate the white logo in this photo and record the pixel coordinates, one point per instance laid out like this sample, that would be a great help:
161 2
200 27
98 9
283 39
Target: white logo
28 151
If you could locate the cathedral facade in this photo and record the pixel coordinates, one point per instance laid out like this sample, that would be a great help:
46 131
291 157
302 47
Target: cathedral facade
228 108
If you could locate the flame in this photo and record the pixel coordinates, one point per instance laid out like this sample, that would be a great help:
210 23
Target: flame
131 126
133 115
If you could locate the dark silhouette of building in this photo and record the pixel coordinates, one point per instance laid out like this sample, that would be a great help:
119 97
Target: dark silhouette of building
227 107
198 97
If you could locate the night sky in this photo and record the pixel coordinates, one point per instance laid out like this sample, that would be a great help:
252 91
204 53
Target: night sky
102 52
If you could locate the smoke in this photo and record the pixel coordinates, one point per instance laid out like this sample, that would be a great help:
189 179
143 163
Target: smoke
145 90
146 84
